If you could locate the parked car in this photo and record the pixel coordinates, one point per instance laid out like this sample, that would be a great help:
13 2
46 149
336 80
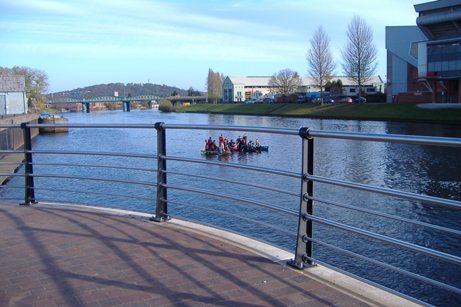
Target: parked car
328 100
346 100
268 100
360 100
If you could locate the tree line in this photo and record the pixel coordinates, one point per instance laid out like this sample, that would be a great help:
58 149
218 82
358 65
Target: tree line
359 63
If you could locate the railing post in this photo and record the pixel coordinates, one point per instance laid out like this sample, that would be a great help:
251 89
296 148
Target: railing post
303 251
29 192
161 211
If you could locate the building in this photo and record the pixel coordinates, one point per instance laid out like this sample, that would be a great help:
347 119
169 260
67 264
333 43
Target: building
239 89
424 61
12 95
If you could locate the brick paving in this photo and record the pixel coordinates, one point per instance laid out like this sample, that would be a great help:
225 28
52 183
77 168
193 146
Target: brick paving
62 256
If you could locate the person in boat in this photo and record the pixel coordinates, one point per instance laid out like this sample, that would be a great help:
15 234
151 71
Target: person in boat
243 143
215 147
210 146
257 144
221 140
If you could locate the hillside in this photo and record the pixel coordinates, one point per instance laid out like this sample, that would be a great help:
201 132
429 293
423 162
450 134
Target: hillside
133 89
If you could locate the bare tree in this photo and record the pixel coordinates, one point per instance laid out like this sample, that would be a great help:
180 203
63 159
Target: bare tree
320 60
285 81
360 54
214 85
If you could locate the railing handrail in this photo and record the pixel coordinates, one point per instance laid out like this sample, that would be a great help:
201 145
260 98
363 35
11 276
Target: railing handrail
394 138
306 216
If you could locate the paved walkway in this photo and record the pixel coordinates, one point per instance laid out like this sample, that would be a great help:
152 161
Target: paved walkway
63 256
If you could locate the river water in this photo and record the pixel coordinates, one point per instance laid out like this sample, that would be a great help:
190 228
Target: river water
413 168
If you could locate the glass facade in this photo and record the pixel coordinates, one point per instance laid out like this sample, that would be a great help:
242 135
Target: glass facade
444 59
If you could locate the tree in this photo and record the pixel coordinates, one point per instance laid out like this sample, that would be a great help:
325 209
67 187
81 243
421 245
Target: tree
214 85
192 92
165 106
285 81
319 59
360 54
335 87
36 84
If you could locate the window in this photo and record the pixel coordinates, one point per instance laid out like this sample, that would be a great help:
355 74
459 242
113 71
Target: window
352 90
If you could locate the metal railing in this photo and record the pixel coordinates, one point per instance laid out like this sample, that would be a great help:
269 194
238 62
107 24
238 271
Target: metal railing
303 253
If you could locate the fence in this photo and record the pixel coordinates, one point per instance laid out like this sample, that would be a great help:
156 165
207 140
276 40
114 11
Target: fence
306 217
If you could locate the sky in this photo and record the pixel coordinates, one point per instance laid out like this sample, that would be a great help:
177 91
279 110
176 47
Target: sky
79 43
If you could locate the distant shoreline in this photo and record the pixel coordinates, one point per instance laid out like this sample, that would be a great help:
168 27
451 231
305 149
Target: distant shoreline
435 113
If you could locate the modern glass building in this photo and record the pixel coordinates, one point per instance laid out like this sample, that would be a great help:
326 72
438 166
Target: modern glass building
424 61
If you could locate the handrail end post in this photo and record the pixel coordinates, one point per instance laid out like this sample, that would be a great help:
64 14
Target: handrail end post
304 133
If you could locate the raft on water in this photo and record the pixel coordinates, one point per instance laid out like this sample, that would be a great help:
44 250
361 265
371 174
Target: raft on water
52 119
243 150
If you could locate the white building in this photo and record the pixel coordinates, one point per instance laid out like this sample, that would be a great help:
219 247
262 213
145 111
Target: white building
12 95
239 89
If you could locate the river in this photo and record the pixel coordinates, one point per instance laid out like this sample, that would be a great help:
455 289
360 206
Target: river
413 168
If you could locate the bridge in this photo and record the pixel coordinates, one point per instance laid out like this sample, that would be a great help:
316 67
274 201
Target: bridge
126 101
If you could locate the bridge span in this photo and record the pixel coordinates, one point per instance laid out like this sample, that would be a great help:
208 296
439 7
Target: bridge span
126 101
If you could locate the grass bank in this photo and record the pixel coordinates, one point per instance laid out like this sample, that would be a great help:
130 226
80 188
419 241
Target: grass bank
385 112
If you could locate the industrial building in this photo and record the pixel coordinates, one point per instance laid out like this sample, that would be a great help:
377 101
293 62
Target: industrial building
12 95
424 61
240 89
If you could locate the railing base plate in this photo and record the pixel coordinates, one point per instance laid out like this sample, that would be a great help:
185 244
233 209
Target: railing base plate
299 265
28 203
161 219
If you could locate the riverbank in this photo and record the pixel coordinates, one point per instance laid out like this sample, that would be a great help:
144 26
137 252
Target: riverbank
381 112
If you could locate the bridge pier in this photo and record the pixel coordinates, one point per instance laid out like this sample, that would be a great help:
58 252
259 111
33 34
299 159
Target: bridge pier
86 108
126 106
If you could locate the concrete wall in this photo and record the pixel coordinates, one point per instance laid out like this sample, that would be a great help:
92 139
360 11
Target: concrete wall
12 138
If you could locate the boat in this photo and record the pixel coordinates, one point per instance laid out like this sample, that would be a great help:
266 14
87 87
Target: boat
244 149
53 119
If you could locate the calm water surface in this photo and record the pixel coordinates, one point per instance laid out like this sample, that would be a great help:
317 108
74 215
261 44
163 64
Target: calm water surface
413 168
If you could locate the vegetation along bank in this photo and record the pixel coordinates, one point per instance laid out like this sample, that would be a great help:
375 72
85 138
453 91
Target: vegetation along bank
384 112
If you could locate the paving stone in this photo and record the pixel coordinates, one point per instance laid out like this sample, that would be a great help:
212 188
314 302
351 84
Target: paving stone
62 256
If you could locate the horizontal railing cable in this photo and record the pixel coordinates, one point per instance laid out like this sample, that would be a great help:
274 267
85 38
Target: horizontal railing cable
11 151
389 266
234 182
237 216
95 166
235 165
225 196
13 174
386 191
91 153
91 192
12 163
10 187
100 126
233 128
386 215
371 235
94 179
367 281
393 138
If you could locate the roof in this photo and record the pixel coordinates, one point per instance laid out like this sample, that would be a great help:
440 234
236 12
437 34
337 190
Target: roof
434 5
307 81
12 83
